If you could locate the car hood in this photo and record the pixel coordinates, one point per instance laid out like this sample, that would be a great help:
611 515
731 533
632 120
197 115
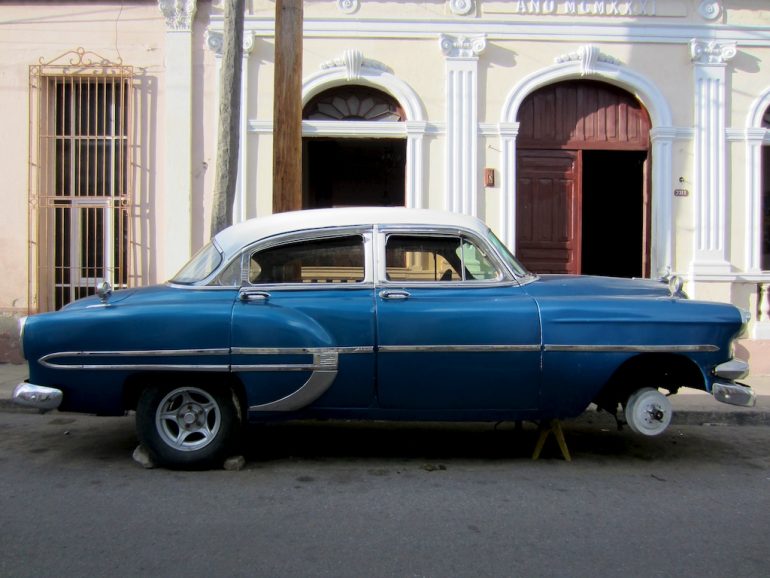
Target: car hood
587 286
133 296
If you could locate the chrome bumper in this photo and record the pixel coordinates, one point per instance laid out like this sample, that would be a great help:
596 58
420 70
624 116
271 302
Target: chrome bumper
37 396
734 394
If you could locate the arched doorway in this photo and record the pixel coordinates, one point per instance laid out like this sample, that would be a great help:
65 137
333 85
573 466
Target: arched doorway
351 170
582 203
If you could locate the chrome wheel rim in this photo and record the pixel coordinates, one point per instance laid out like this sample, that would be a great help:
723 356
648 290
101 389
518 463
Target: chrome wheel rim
188 419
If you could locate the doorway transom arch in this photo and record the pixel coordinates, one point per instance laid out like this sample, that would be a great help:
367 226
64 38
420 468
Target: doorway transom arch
352 69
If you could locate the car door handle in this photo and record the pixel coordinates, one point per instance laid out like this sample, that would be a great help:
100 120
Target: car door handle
251 295
395 294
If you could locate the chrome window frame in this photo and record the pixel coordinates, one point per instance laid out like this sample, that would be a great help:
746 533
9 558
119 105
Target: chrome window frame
244 256
383 232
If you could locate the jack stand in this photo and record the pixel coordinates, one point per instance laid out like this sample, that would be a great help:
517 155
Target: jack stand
551 426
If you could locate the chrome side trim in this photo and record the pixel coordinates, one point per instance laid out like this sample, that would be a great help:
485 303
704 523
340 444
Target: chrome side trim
319 361
633 348
324 373
46 360
455 348
300 350
537 347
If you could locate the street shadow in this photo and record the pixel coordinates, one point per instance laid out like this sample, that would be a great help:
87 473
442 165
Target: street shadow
592 439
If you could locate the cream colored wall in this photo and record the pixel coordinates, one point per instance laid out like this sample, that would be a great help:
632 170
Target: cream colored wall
136 32
33 31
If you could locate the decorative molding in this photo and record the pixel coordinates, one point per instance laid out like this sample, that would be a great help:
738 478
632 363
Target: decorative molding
524 30
337 72
348 6
462 46
179 14
587 55
710 9
757 137
215 42
712 52
461 7
353 62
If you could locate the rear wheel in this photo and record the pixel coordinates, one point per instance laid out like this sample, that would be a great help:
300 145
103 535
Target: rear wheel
187 426
648 412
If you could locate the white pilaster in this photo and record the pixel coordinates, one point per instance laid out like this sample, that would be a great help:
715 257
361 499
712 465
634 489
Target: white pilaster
710 62
462 175
177 228
661 258
508 134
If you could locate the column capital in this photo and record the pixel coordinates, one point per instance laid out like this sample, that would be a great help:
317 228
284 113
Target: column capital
462 46
215 41
179 14
711 52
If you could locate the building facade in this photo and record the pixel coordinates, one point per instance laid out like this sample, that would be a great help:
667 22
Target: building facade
610 137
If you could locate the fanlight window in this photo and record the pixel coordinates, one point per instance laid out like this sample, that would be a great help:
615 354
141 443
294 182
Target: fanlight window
354 103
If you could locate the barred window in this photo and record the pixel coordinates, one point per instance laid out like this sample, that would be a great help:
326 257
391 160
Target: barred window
81 190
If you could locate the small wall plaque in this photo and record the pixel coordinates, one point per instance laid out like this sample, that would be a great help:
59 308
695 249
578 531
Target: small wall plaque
681 193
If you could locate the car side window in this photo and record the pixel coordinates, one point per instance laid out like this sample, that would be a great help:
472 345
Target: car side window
441 258
325 260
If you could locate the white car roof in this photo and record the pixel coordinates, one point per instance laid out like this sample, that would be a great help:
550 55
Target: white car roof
234 238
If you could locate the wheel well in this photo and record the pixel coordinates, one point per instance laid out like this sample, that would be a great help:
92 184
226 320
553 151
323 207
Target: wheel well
134 385
667 371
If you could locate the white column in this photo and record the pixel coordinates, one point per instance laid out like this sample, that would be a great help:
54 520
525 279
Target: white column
461 171
508 134
755 138
176 230
661 233
710 62
415 131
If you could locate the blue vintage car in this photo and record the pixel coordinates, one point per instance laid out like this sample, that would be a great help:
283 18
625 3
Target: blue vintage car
388 314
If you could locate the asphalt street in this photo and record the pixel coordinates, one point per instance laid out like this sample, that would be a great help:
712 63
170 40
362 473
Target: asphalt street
351 500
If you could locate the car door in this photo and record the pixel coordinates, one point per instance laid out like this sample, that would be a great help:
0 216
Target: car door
455 331
303 323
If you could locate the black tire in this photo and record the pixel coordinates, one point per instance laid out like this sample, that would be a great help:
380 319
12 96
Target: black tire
188 426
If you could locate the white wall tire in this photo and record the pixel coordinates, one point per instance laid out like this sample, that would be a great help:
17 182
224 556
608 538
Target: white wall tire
648 412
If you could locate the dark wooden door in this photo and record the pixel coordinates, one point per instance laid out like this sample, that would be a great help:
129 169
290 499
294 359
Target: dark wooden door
548 211
561 125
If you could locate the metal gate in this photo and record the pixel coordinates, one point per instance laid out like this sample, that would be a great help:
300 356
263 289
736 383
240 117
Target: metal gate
81 185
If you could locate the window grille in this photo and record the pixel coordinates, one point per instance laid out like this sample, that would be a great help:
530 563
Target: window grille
80 178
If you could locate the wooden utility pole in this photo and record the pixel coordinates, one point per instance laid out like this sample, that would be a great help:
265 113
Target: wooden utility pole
287 107
228 135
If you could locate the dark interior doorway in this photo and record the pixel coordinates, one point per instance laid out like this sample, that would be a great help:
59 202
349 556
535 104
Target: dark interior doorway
344 172
613 213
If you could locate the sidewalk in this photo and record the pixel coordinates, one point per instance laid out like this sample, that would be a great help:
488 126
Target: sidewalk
690 407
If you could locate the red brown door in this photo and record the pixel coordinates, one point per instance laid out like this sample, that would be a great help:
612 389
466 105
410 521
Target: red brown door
548 211
566 191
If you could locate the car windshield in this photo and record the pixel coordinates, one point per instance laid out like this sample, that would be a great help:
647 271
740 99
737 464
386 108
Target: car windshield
518 269
203 264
